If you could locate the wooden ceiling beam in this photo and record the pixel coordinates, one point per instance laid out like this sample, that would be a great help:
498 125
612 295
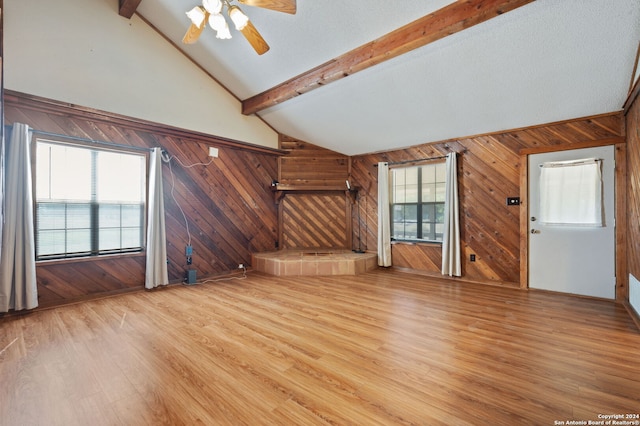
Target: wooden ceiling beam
449 20
128 8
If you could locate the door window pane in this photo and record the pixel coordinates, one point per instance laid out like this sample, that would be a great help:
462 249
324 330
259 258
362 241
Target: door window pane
571 193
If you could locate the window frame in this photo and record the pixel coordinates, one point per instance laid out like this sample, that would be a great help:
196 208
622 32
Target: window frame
95 252
419 206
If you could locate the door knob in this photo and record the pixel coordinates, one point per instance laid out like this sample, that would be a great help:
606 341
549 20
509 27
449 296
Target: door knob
535 231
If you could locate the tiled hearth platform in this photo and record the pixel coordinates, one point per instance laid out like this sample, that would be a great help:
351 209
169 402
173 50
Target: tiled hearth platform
314 262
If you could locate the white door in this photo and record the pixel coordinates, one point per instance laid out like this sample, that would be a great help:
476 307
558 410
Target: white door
573 259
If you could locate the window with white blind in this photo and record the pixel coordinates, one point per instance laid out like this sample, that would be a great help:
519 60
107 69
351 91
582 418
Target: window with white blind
417 202
89 201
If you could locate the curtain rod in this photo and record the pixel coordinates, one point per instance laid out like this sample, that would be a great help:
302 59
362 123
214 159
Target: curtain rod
556 164
417 160
80 139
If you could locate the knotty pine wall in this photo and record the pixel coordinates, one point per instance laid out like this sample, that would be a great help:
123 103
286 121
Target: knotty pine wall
314 210
229 204
314 220
232 209
308 166
633 185
488 173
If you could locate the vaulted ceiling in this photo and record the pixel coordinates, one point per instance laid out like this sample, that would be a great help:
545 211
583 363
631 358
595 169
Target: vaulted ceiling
372 75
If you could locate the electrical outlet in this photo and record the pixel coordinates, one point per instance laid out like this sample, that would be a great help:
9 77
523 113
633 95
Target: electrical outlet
213 152
472 258
240 265
513 201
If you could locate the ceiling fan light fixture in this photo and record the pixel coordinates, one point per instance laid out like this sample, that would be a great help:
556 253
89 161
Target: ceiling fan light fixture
212 6
224 34
197 16
218 23
211 11
240 20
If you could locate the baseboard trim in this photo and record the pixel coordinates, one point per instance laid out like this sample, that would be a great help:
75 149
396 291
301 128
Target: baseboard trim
504 284
635 316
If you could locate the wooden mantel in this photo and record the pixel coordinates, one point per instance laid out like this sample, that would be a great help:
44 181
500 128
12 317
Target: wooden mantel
280 191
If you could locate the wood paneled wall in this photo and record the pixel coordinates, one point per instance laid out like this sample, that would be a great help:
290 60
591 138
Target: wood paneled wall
488 172
315 220
633 188
231 211
314 209
228 204
307 165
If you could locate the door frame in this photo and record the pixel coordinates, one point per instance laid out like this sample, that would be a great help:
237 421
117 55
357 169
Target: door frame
620 182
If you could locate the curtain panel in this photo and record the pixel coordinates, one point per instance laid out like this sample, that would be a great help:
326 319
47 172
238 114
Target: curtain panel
451 262
384 217
156 270
18 286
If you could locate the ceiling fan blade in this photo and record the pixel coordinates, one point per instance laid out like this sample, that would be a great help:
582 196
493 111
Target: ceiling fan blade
286 6
193 33
255 39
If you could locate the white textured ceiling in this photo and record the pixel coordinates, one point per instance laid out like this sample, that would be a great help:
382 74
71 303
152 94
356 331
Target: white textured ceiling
546 61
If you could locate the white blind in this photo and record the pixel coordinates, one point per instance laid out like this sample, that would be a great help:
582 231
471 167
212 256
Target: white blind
571 193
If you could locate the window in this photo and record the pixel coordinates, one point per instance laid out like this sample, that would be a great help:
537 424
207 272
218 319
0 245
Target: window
417 202
88 201
571 193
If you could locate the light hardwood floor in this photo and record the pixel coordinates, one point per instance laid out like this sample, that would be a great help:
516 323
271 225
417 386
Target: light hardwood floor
379 348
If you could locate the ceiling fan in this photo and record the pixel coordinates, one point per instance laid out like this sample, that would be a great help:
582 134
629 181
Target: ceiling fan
211 12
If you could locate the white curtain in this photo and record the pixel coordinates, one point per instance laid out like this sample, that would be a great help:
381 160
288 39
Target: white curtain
571 193
156 271
18 289
384 220
451 263
2 157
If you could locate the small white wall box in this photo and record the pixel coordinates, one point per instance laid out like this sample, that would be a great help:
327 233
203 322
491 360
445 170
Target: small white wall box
213 152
